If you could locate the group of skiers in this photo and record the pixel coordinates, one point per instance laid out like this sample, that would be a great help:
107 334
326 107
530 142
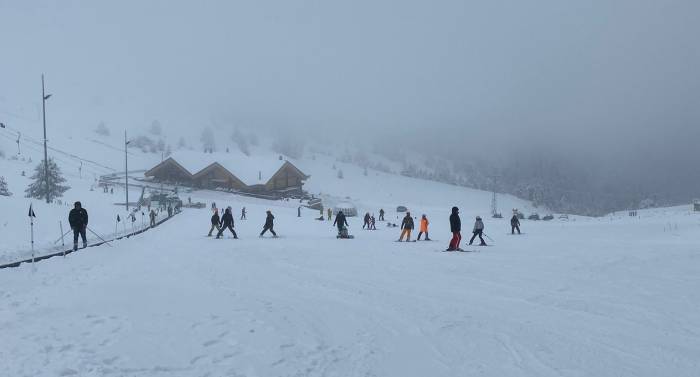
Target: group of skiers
226 222
456 229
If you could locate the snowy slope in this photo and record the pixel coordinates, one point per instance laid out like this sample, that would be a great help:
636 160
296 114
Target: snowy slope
610 296
590 297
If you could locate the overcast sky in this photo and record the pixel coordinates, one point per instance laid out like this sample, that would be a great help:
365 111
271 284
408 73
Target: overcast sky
613 81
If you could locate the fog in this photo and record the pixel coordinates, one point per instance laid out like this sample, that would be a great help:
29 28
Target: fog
607 90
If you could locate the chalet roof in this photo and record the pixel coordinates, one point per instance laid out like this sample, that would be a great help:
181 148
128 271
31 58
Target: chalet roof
165 162
251 170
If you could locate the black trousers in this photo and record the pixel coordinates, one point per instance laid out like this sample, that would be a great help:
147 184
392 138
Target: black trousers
224 227
79 231
421 233
513 228
381 217
265 229
477 233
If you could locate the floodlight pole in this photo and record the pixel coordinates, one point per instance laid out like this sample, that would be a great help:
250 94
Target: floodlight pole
44 97
126 170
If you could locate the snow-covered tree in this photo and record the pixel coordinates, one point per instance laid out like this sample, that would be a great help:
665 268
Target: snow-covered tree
161 145
168 151
340 173
102 129
3 187
208 140
241 140
181 144
156 128
37 189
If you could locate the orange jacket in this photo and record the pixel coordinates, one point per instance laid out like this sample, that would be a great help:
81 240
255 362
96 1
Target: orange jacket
424 225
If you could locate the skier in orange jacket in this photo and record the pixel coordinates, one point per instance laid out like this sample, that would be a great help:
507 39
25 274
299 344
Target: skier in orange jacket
424 228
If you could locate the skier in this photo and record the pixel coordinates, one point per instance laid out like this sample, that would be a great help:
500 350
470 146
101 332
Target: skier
424 228
366 223
406 227
456 229
227 223
78 220
243 213
514 224
152 215
299 211
373 223
478 231
215 221
341 222
269 224
381 214
170 210
330 214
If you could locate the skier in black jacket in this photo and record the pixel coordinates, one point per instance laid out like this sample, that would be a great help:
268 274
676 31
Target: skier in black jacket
514 224
215 221
456 229
340 221
78 220
367 222
227 223
269 224
407 226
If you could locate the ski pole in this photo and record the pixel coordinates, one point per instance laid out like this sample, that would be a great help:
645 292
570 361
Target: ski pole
98 236
63 235
490 239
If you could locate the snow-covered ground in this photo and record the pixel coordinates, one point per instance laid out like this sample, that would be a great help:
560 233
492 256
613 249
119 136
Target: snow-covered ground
587 297
610 296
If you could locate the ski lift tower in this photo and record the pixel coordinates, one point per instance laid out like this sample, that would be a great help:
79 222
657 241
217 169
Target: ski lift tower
494 202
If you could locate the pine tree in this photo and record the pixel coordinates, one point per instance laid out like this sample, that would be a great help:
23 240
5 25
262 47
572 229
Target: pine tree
3 187
37 189
208 140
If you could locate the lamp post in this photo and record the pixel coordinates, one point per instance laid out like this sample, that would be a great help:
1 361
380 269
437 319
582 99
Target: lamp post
126 170
44 97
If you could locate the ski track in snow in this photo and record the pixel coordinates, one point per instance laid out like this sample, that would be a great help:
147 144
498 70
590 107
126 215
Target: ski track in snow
172 303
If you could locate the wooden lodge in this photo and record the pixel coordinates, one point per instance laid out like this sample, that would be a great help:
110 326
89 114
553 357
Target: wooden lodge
286 180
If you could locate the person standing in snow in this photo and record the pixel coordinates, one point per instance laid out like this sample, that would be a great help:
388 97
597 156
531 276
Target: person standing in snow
366 223
243 213
514 224
227 223
330 214
78 220
424 228
299 211
170 210
407 226
152 215
340 221
373 223
478 231
381 214
456 229
215 221
269 224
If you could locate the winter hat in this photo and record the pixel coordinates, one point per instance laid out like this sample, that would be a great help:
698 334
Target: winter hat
77 205
455 209
478 218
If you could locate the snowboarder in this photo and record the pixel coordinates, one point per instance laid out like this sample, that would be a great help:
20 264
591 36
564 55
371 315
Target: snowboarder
78 220
373 222
330 214
424 228
514 224
269 224
215 221
366 223
456 229
406 227
227 223
381 214
152 215
342 223
243 213
478 231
